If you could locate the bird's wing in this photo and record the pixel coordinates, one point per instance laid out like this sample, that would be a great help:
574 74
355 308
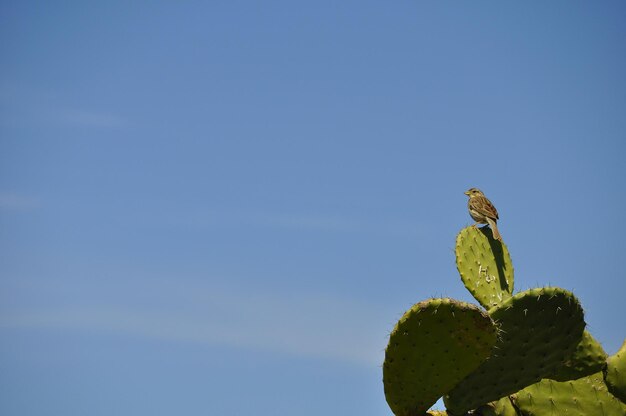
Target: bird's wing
485 207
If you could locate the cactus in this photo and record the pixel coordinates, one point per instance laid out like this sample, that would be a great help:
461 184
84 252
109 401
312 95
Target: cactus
502 407
588 358
539 328
615 373
434 345
524 354
587 396
484 265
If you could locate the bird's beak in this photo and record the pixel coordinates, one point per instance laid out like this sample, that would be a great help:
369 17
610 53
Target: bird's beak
466 193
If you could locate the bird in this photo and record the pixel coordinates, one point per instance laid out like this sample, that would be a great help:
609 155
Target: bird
482 211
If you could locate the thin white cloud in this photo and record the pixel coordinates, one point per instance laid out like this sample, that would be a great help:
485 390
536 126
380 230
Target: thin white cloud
88 118
317 327
25 106
342 224
311 222
10 201
303 222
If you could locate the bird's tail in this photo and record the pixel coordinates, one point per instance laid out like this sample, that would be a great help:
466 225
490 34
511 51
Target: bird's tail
494 229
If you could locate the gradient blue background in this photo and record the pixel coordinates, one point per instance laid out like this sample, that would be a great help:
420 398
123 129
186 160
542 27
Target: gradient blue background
222 208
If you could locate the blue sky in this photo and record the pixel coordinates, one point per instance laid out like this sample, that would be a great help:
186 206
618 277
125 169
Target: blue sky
223 207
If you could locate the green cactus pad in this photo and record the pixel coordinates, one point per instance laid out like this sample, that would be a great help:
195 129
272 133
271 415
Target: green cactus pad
588 358
502 407
539 329
587 396
485 266
615 373
434 345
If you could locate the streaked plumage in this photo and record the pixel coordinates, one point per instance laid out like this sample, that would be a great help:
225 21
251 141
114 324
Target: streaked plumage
482 211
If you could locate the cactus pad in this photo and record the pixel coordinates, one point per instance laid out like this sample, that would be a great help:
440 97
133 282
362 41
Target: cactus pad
485 266
615 373
539 329
587 396
434 345
588 358
502 407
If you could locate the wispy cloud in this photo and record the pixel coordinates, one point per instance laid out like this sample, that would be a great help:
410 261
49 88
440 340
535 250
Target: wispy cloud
88 118
26 106
11 201
300 222
307 326
343 224
310 222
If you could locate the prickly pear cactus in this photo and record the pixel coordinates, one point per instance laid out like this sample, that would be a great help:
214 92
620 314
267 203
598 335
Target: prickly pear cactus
502 407
434 345
615 373
485 266
539 329
528 354
587 396
588 358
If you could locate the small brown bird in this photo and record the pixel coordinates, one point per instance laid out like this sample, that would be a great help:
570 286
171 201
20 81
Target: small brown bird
482 211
